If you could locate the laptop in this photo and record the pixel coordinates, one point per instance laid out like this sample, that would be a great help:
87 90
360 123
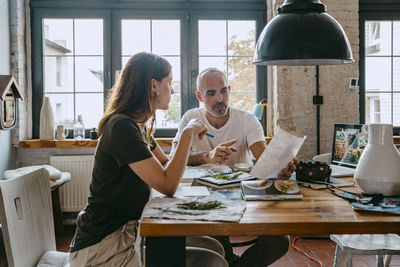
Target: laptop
348 144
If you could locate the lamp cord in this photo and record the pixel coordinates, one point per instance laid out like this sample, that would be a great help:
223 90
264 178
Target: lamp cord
374 199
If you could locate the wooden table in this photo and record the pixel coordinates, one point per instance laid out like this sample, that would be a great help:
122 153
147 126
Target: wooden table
318 213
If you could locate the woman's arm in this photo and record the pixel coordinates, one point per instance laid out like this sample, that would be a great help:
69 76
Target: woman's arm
160 155
166 179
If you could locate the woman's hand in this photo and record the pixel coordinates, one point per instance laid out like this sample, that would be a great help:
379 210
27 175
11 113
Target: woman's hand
287 172
198 127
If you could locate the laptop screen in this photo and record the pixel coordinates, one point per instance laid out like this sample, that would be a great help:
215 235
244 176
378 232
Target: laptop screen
348 144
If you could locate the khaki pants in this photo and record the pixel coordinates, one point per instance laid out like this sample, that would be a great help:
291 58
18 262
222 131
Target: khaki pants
116 249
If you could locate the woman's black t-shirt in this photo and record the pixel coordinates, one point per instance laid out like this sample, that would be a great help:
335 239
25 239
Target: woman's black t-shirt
117 194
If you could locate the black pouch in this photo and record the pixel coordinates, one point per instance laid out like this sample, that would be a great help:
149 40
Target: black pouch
313 171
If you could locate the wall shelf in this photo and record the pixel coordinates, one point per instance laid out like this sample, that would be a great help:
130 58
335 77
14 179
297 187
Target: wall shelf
36 143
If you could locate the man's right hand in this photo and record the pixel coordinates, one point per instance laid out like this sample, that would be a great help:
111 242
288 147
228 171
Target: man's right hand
222 152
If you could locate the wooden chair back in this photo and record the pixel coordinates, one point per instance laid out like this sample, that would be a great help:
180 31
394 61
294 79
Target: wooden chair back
26 217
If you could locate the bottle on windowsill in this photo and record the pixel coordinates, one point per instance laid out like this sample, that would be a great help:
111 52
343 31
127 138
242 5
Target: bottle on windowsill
79 129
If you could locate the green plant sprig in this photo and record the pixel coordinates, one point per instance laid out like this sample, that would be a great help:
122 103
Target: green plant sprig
226 176
197 205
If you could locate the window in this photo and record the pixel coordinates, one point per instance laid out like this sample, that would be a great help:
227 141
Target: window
380 63
73 69
150 36
79 52
382 72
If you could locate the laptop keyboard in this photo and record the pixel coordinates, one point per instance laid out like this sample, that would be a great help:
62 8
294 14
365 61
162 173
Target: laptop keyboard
341 171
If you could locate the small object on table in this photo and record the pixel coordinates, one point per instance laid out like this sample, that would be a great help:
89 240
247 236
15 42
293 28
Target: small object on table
313 171
242 167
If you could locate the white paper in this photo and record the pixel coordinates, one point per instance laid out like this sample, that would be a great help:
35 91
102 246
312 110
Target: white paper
185 191
231 211
279 152
192 172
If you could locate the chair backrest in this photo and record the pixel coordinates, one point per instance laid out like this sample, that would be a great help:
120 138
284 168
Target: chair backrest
27 218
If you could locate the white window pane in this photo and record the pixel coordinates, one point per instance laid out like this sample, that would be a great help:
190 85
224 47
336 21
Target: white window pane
176 69
396 38
135 36
170 118
378 108
242 74
378 74
123 61
58 74
241 37
243 101
396 74
166 37
396 109
57 36
89 74
212 37
90 106
378 38
212 62
89 37
63 109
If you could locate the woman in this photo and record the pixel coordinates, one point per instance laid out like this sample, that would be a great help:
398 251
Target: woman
128 163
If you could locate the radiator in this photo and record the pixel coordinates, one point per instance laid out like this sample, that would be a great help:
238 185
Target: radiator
74 194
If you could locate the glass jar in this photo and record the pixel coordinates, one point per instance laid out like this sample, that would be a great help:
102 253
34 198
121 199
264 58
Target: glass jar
79 129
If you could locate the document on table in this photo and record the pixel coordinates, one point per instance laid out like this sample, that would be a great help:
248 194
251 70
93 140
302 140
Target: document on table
279 152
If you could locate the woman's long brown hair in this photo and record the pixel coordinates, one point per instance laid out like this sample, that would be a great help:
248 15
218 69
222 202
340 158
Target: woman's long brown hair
132 94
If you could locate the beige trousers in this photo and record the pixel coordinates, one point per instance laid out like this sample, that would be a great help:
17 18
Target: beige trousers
117 250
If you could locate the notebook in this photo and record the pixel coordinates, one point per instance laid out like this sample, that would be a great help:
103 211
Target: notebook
348 144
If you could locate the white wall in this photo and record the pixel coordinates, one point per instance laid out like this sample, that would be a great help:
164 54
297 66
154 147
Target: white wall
5 136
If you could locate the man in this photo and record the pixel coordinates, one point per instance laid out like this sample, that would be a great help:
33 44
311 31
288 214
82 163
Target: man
237 136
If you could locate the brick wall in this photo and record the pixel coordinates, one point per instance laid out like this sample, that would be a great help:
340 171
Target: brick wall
292 88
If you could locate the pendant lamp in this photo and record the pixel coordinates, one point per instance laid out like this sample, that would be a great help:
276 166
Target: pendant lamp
302 34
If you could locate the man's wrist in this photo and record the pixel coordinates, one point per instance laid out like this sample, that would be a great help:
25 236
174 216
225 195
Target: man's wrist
206 157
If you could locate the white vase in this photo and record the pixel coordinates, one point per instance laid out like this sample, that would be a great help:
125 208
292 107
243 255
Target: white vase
47 124
378 170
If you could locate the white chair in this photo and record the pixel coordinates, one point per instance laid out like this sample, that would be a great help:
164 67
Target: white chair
27 222
383 246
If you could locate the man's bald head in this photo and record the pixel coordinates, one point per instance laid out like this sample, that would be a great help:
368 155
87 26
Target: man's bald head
204 72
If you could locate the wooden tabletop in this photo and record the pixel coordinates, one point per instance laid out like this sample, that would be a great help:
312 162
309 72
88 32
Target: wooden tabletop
319 212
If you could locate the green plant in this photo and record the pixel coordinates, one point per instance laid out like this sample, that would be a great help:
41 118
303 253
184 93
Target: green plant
197 205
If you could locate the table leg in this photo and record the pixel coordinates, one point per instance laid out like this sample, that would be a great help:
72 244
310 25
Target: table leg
165 251
57 212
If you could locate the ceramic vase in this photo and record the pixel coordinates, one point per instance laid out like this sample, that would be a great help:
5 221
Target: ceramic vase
47 125
378 170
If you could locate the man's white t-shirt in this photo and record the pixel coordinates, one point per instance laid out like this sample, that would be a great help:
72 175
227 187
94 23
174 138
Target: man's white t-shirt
241 125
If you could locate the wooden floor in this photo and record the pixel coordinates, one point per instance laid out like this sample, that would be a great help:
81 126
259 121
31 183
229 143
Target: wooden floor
321 248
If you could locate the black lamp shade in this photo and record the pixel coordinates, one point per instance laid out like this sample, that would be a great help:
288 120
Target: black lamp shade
302 34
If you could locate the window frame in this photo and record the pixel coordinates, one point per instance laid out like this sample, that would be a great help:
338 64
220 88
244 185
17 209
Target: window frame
373 10
37 54
187 11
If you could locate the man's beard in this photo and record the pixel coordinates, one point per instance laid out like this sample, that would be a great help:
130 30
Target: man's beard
219 112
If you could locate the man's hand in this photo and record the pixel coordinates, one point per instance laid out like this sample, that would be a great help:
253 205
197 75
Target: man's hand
287 172
222 152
